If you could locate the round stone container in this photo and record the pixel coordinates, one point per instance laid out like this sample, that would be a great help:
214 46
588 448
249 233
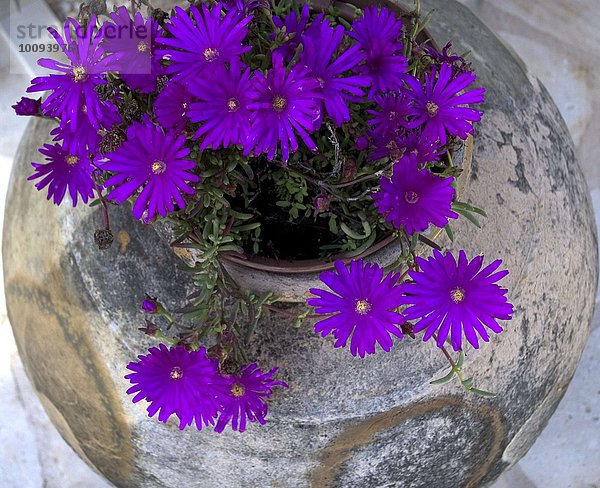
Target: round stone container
344 421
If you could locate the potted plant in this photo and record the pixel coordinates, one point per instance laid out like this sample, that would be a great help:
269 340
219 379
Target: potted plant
290 153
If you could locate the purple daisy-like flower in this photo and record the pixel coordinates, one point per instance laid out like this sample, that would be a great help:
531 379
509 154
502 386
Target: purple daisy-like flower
244 399
337 87
206 41
177 381
28 106
440 106
414 198
64 171
73 89
222 108
154 161
294 26
363 303
413 147
287 102
173 105
85 138
377 32
451 297
133 44
393 114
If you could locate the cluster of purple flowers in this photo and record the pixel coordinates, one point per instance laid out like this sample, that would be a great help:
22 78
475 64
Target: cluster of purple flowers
206 88
202 93
188 384
446 297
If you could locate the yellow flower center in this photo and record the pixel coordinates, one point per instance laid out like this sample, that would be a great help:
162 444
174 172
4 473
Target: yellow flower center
363 307
159 167
176 373
233 104
279 103
457 295
238 390
210 54
411 197
79 74
142 47
432 108
72 160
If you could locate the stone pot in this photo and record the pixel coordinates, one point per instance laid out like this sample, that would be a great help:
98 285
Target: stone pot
344 422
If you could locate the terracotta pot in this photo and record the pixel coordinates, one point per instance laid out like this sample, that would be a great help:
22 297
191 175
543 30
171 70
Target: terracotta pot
344 421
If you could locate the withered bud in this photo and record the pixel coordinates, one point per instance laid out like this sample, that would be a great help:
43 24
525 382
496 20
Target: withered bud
407 328
98 7
111 140
159 15
130 109
105 91
103 238
349 170
151 329
217 352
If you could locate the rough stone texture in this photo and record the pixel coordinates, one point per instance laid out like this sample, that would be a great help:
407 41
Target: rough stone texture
71 309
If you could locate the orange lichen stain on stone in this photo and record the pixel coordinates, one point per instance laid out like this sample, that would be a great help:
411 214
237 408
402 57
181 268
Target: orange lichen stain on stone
52 331
123 239
363 433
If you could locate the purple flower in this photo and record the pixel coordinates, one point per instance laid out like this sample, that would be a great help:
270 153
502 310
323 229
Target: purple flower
85 138
294 27
64 170
244 399
450 297
363 303
440 107
28 106
177 381
154 161
222 107
287 102
414 198
134 43
207 41
378 34
337 87
73 89
412 147
393 113
172 106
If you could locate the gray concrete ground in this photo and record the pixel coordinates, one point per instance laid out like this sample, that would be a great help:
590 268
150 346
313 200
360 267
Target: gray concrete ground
558 40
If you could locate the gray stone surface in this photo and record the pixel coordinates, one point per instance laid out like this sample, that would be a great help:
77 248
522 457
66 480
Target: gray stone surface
546 474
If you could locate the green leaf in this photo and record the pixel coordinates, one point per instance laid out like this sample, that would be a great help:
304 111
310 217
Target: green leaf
449 232
482 393
469 216
469 208
366 245
468 382
445 379
461 360
350 233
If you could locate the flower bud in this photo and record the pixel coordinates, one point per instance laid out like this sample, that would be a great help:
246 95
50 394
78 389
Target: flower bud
28 106
362 143
150 305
